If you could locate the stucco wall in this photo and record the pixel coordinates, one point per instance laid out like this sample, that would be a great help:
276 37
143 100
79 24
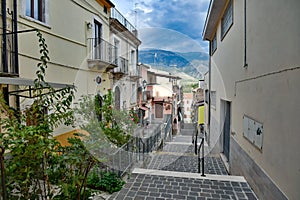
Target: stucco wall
267 90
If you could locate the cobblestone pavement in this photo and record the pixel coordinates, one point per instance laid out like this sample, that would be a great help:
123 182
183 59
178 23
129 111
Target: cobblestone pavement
172 174
213 165
144 185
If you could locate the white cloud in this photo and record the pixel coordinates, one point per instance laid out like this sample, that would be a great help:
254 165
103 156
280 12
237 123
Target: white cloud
186 17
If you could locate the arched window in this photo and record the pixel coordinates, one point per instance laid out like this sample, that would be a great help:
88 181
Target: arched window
98 106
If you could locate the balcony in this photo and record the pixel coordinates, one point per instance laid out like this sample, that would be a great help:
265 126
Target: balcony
103 55
122 68
115 14
134 75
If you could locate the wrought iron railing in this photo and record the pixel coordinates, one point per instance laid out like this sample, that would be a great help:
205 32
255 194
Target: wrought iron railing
135 150
122 66
168 128
10 59
134 73
102 50
115 14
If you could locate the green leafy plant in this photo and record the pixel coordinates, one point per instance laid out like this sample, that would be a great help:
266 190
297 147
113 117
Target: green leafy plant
115 127
27 136
105 181
70 170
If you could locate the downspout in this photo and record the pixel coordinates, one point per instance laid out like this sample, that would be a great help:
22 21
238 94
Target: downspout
245 34
209 93
16 46
15 29
4 44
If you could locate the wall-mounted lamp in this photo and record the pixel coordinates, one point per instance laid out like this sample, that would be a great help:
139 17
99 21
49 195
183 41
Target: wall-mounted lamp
201 83
89 25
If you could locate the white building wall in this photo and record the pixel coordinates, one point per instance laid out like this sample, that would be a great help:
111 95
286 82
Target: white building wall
266 90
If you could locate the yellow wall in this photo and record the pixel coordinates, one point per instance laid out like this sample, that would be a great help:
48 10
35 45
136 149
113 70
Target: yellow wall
66 34
201 115
63 138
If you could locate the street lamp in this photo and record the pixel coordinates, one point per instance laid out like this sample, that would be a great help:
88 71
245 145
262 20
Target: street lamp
201 82
144 84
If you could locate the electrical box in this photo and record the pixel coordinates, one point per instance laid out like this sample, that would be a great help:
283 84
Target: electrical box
253 131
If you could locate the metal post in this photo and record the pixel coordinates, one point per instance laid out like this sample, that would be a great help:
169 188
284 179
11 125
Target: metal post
15 29
4 42
3 182
202 159
196 141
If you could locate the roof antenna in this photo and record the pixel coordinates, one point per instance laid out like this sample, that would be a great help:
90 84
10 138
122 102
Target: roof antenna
135 14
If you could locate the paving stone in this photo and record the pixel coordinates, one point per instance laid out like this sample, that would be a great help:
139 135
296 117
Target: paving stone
179 157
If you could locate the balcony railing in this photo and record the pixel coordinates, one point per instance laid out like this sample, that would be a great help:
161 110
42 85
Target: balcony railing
134 73
122 66
102 50
115 14
10 68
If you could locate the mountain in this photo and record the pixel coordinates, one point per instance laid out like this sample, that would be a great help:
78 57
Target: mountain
192 63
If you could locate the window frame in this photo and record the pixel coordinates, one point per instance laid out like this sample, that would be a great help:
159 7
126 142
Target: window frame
212 46
213 99
41 10
228 14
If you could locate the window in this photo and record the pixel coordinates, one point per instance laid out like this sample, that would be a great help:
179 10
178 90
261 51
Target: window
97 42
206 96
213 44
227 19
133 92
105 9
36 9
213 97
132 58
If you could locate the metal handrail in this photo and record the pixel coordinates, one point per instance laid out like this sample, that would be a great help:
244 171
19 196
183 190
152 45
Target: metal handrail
102 50
200 159
115 14
122 65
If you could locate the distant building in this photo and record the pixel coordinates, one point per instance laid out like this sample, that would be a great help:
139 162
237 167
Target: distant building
123 35
187 105
253 92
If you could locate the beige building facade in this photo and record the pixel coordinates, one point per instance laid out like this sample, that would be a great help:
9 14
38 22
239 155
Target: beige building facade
126 77
254 83
80 41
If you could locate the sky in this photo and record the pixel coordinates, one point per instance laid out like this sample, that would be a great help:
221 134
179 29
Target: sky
174 25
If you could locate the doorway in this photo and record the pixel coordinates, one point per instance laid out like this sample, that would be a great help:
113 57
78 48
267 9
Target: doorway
98 38
226 105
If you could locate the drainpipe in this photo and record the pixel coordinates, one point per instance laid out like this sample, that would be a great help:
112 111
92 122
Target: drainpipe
15 29
245 34
209 93
4 44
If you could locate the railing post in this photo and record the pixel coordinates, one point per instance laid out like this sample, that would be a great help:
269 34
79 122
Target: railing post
3 182
202 157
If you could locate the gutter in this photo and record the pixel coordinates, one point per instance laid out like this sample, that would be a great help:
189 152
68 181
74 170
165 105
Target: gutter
4 43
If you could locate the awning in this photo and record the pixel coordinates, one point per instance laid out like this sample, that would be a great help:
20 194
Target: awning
28 85
143 108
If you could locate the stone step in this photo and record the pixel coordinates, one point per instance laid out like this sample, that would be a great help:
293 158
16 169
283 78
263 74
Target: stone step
156 184
189 175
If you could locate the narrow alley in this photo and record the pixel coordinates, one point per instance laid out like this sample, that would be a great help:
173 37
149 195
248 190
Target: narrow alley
172 174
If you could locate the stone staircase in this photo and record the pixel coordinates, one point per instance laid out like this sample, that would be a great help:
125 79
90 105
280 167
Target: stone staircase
172 174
